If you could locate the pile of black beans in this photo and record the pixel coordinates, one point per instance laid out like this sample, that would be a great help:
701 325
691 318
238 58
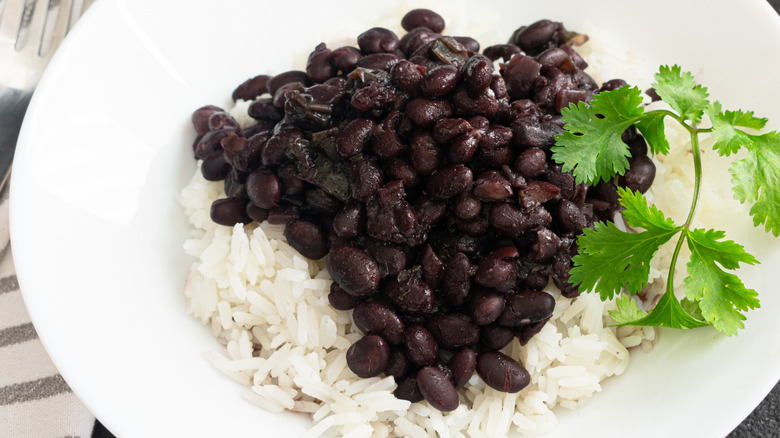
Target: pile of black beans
425 178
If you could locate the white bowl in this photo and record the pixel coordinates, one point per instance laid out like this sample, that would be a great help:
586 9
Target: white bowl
105 148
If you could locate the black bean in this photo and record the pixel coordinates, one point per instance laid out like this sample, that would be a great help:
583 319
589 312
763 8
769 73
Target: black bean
484 105
453 331
466 206
398 365
613 84
378 40
545 244
440 81
425 112
450 181
354 270
462 364
369 356
416 39
386 143
345 58
437 389
432 267
526 332
291 184
408 390
251 88
288 77
264 109
281 214
263 189
468 43
256 213
307 238
378 61
536 35
571 216
531 163
456 282
485 306
406 76
229 212
214 167
390 258
410 294
365 178
640 174
492 186
425 154
497 272
319 66
503 51
339 299
277 146
200 118
399 169
423 17
211 142
350 222
526 307
507 219
501 372
536 193
637 146
519 74
372 317
463 148
320 201
495 337
421 348
245 154
477 75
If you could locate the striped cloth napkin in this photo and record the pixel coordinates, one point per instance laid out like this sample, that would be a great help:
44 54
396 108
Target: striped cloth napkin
35 401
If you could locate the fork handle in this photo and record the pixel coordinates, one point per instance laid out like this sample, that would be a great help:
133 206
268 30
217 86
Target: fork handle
13 105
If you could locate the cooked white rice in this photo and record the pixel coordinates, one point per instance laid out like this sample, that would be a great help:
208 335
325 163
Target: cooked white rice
268 307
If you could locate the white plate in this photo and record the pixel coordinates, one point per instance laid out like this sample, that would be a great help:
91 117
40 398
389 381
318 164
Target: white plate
97 231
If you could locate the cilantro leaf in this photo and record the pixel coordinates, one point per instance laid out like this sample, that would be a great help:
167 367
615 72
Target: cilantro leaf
669 313
721 295
591 145
756 180
652 128
681 92
627 310
610 259
728 139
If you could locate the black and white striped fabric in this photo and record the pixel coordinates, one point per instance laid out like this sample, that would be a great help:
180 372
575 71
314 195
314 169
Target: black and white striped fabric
35 401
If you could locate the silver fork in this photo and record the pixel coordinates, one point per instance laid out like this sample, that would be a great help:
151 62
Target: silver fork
30 32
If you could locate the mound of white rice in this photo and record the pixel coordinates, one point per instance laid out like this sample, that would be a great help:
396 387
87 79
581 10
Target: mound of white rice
268 306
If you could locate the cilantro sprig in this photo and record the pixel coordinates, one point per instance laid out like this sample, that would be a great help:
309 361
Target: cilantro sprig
611 260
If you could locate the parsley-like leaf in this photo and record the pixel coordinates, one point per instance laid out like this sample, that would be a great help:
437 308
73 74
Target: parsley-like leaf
722 296
610 259
627 310
756 180
591 145
669 313
681 92
728 139
652 128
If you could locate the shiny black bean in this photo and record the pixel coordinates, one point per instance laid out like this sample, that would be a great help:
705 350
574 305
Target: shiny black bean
495 337
637 146
463 148
400 170
408 390
456 282
229 212
200 118
564 98
537 34
531 163
492 186
320 201
519 74
222 120
372 317
421 348
571 216
530 133
422 17
263 189
390 258
640 174
484 105
352 138
416 39
503 51
307 238
453 331
281 214
545 244
354 270
365 178
447 130
425 154
256 213
526 307
378 40
288 77
485 306
466 206
432 267
526 332
251 88
369 356
450 181
211 142
373 98
319 66
378 61
613 84
440 81
245 154
501 372
437 389
507 219
468 43
426 112
385 142
410 294
288 179
277 146
214 167
350 222
462 364
398 365
477 75
263 109
339 299
407 77
496 272
345 58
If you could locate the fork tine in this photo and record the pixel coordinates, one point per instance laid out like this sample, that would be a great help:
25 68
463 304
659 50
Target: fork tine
57 20
24 24
9 24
